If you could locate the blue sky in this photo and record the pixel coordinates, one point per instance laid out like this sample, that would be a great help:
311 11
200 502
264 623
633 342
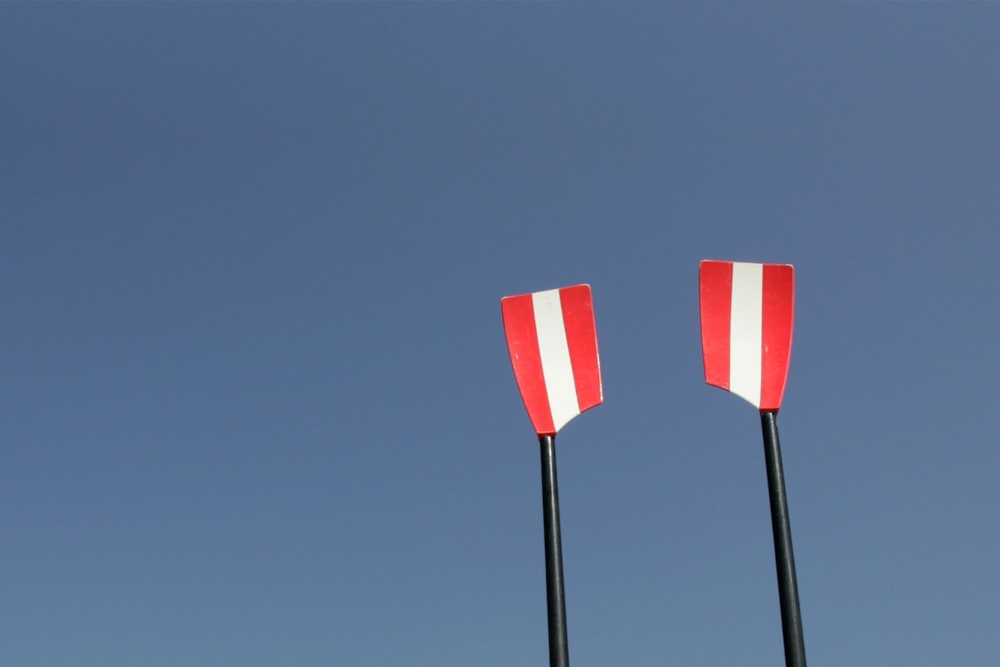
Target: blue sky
257 408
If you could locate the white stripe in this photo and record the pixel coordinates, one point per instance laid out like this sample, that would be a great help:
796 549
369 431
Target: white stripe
556 365
746 330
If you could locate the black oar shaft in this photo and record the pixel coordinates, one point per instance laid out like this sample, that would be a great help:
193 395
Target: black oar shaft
555 594
788 589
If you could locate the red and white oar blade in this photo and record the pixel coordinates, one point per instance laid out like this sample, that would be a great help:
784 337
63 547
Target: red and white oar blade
747 312
552 340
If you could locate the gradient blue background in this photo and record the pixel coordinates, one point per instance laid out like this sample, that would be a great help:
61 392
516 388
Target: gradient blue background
255 403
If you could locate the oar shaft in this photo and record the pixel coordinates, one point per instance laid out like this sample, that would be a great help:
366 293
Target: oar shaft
788 589
555 594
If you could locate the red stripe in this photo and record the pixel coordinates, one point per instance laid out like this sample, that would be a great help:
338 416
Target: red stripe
776 340
581 337
715 287
522 343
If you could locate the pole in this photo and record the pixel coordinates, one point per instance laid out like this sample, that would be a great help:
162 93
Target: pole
554 593
788 589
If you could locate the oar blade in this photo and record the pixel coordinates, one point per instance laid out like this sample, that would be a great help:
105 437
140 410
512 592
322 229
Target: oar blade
552 341
747 316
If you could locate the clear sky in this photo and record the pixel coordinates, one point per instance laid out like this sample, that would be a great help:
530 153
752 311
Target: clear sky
256 407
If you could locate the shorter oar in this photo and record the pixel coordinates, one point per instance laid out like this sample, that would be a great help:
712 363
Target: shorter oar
552 340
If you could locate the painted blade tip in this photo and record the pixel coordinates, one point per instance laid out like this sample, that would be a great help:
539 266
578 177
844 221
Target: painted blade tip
737 261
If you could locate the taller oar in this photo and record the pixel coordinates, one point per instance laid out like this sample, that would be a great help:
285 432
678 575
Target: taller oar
747 312
552 340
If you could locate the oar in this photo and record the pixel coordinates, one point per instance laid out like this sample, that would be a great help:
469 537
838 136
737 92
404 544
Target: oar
552 342
747 313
